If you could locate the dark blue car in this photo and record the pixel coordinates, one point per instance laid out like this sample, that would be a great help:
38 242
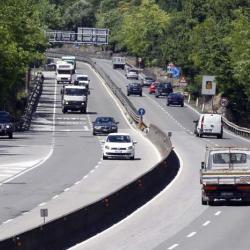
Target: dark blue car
175 99
163 89
134 89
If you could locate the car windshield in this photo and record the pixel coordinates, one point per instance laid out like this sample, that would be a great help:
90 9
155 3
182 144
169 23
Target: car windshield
75 92
134 84
64 72
105 120
119 138
148 79
226 158
133 71
82 78
5 119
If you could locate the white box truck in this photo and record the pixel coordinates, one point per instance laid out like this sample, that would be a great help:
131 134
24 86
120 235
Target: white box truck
64 72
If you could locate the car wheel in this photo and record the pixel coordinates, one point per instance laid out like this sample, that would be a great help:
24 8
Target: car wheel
10 136
156 96
219 136
94 133
83 110
132 157
64 110
104 157
128 94
141 94
203 202
182 105
200 135
168 104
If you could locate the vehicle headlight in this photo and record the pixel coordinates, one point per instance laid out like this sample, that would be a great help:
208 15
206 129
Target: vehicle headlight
97 127
130 147
65 102
7 126
82 103
113 127
107 147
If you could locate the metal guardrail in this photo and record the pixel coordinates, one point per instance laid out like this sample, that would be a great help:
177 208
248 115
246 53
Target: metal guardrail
235 128
32 102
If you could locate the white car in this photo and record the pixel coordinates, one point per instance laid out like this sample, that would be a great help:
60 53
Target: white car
132 74
119 145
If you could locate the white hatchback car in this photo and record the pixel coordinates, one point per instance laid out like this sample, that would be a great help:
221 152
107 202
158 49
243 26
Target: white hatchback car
119 145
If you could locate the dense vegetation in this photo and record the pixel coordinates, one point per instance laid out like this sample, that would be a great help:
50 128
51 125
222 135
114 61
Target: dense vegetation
202 36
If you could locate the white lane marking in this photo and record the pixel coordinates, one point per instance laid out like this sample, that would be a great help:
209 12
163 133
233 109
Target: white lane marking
42 204
191 234
206 223
51 147
173 246
66 189
78 182
54 197
86 176
5 175
10 171
7 221
217 213
92 171
99 162
97 166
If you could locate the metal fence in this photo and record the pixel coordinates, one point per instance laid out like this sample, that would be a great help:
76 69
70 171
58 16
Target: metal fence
32 102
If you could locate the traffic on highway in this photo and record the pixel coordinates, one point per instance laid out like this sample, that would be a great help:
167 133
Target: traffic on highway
76 140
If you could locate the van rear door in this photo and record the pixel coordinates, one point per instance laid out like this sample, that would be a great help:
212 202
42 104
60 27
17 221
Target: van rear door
212 123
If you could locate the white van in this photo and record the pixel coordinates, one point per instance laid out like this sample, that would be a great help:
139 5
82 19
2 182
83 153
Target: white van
209 124
78 79
70 59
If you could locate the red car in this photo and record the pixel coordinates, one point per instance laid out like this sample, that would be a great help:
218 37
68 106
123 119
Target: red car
152 88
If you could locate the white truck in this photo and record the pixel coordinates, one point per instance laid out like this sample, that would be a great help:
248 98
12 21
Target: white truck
64 72
118 62
225 174
74 98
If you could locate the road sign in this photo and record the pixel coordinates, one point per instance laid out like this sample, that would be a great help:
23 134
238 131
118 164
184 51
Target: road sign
83 36
208 85
224 101
141 111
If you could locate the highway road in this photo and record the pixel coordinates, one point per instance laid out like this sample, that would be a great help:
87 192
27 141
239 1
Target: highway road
175 219
59 153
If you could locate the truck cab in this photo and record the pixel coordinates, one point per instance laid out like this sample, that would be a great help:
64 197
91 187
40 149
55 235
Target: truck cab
74 98
70 60
64 72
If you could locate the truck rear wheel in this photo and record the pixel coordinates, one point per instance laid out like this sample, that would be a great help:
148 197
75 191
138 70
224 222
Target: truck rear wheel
83 110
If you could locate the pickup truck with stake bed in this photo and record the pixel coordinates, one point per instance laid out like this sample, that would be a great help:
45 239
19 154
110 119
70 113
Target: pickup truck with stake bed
225 174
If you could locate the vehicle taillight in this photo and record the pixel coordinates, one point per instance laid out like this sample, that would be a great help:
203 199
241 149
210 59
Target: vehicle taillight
202 122
243 187
210 187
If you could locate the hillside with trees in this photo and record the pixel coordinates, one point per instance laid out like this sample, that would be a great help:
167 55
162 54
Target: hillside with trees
203 37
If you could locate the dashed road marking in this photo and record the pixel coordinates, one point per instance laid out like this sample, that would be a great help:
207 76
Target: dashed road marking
206 223
217 213
173 246
191 234
42 204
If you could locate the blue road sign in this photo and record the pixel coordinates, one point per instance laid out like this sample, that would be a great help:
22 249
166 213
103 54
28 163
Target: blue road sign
141 111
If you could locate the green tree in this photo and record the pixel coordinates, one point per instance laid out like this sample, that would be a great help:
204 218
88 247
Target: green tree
143 27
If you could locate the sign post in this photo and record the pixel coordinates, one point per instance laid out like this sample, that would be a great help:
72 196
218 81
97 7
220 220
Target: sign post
44 213
141 112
